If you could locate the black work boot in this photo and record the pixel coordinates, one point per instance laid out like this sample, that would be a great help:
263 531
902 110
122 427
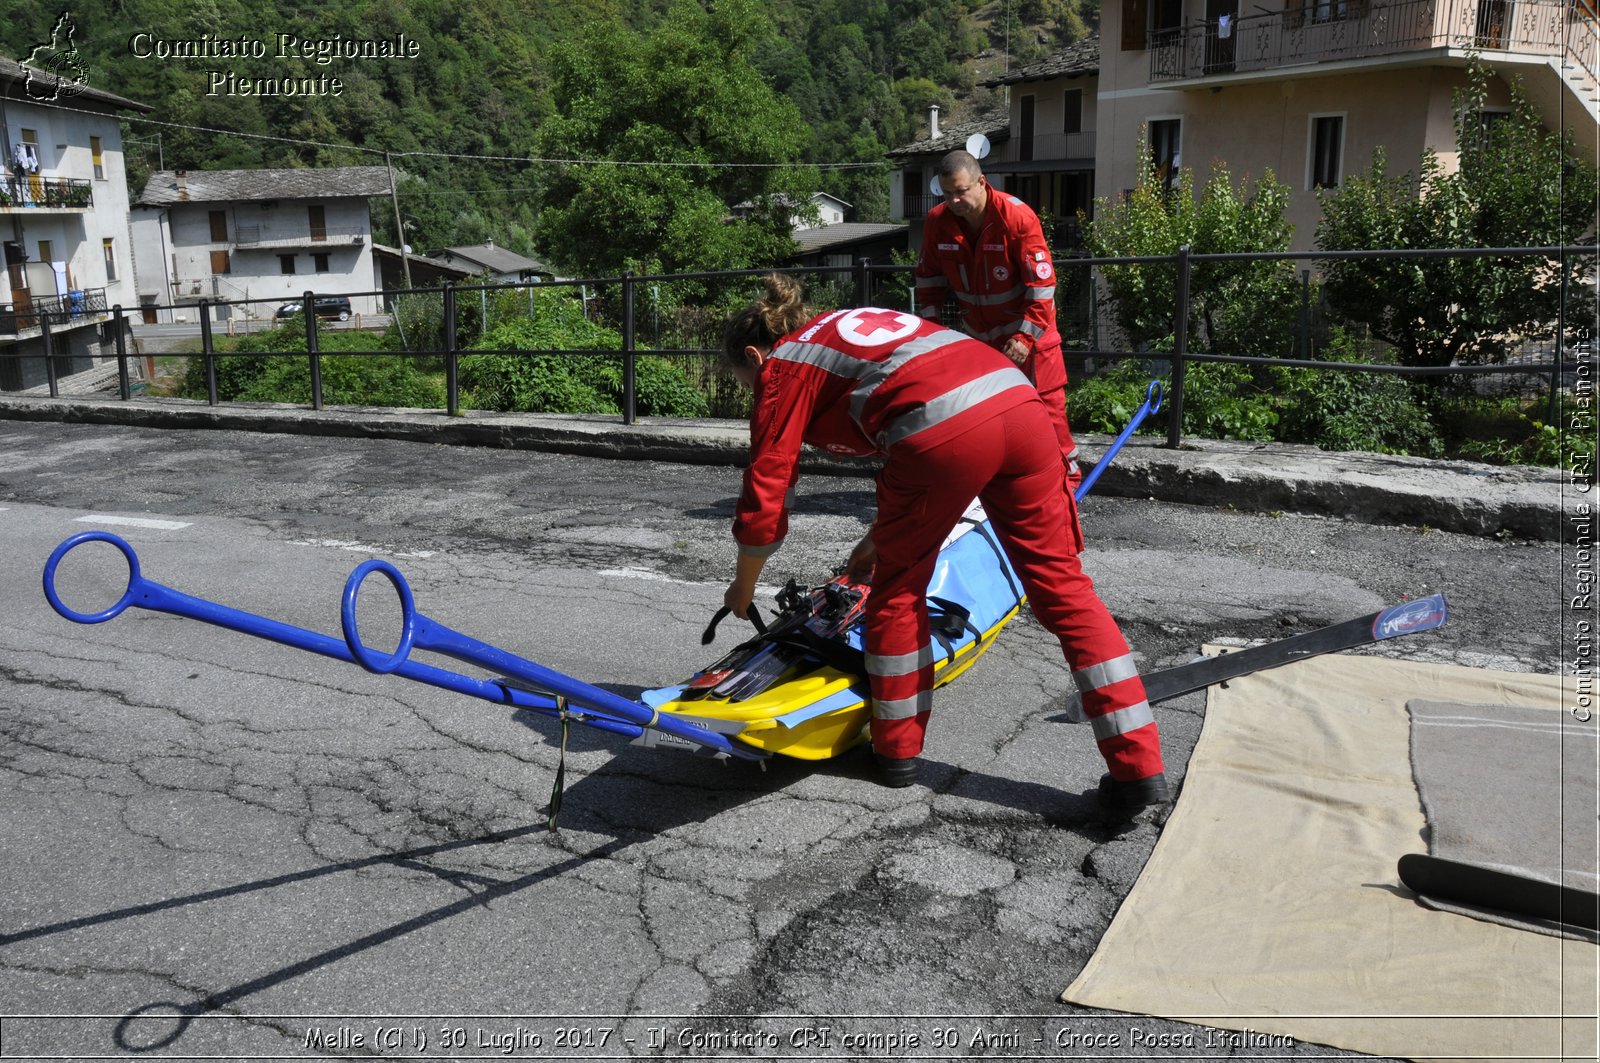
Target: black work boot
897 771
1135 794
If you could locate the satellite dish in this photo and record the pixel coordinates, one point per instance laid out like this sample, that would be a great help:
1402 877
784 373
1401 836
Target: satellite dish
978 145
935 187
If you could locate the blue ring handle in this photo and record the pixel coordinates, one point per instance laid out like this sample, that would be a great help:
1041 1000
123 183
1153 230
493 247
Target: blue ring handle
1153 396
383 665
134 579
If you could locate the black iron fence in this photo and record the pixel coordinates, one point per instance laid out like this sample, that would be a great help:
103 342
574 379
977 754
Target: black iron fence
651 317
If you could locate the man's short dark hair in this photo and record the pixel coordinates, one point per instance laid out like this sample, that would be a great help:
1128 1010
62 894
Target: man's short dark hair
958 162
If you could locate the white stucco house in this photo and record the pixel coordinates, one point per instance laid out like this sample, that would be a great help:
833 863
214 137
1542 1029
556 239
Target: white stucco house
63 223
247 241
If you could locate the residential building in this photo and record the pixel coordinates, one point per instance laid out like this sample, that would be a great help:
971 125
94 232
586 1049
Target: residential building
401 270
1048 160
844 243
63 221
916 165
831 210
1311 89
498 264
248 241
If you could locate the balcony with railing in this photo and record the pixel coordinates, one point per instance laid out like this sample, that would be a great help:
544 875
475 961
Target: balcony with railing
20 192
251 237
78 307
1321 31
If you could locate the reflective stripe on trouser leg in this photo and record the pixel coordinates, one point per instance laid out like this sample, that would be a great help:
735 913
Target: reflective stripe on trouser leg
1114 701
1037 526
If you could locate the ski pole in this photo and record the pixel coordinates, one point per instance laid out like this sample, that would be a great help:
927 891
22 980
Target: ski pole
1152 403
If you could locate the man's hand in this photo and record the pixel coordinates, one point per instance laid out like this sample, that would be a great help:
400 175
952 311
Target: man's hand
1016 349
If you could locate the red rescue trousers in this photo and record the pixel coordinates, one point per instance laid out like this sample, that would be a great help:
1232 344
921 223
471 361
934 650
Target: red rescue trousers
1010 462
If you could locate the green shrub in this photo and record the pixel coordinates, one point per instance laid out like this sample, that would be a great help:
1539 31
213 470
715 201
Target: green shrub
272 366
1340 410
502 374
1223 401
349 380
1106 403
1503 432
1220 401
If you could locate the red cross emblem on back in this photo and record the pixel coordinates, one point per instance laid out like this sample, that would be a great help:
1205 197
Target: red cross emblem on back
871 327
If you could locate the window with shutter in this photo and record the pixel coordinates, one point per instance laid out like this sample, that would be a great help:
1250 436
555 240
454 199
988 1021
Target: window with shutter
1135 16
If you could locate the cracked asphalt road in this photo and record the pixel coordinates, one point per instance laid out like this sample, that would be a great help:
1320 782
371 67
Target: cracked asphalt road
217 846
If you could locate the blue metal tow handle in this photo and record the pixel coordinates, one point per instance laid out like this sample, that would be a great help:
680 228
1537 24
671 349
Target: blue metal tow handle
419 632
594 707
1152 403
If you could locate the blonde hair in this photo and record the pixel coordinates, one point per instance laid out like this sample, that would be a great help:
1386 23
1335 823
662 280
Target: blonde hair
777 313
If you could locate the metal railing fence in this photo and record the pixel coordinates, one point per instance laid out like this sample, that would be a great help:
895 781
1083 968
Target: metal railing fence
689 331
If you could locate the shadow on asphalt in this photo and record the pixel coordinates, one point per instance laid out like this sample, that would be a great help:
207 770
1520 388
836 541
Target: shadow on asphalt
625 804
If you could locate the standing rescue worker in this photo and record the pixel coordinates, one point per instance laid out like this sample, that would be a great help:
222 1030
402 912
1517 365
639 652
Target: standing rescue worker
987 247
954 420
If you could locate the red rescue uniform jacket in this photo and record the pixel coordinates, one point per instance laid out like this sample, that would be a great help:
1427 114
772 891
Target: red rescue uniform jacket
1002 278
858 382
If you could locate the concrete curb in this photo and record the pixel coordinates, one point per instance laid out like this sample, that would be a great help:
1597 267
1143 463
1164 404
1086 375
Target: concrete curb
1522 501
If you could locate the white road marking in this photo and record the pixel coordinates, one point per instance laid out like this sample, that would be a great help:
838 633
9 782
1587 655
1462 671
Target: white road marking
644 573
360 548
134 522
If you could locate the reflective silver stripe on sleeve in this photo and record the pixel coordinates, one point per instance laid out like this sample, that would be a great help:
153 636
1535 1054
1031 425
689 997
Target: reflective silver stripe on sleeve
932 282
1122 721
993 300
902 708
952 403
899 663
1105 673
760 551
877 372
929 311
1041 294
1031 329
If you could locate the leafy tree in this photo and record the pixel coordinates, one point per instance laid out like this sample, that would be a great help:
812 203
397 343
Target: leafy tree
507 370
687 130
1235 307
1517 185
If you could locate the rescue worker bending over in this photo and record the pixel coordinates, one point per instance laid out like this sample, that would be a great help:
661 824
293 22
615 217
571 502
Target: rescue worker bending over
954 420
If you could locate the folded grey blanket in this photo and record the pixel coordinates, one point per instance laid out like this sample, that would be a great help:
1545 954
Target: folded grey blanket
1514 791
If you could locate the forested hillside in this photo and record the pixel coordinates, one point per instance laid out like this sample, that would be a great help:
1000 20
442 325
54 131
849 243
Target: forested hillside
801 94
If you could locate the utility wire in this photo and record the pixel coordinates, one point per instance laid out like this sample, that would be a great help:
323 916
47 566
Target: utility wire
521 159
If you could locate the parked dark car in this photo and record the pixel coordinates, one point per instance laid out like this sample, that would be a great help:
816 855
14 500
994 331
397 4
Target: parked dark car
330 306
